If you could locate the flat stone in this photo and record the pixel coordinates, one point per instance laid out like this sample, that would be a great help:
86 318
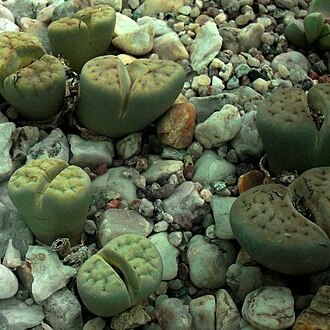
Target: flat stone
55 145
221 208
208 262
86 153
138 42
206 47
176 127
227 314
169 254
16 314
169 47
63 310
269 307
202 310
115 222
221 127
6 165
317 315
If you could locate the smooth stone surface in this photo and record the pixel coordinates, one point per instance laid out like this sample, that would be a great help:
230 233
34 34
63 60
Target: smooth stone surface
169 254
269 307
160 26
114 181
129 146
63 310
18 315
55 145
250 36
248 143
95 324
243 279
176 127
185 205
291 59
221 206
169 46
206 105
202 310
172 314
210 168
8 283
89 153
124 24
115 222
49 274
162 169
209 262
152 7
317 314
8 26
205 47
138 42
221 127
6 165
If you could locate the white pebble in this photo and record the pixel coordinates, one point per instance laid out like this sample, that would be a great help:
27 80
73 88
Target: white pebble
260 85
199 81
8 283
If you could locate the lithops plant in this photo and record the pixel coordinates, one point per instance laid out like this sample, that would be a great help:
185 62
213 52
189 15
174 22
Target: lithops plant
84 36
36 91
295 128
52 197
315 28
120 275
17 49
286 229
116 100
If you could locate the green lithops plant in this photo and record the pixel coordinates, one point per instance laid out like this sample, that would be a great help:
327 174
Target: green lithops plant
116 100
286 229
36 91
52 197
124 272
295 128
84 36
314 29
17 49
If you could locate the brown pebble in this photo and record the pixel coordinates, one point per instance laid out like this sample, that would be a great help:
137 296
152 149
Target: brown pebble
317 315
249 180
202 19
176 127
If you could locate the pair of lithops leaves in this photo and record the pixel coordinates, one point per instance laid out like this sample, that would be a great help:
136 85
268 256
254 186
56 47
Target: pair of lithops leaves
314 29
286 229
295 128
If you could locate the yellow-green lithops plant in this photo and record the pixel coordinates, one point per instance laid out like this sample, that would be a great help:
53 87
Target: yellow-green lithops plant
52 197
286 229
116 100
120 275
85 35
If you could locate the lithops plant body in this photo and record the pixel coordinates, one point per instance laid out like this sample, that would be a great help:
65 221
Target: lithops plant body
120 275
37 90
116 100
314 29
286 229
295 128
84 36
52 197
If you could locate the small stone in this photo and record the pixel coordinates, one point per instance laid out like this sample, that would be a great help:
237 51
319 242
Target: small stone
202 310
226 71
12 258
172 314
6 165
220 127
269 307
283 71
199 81
317 315
176 127
95 324
133 318
86 153
175 238
129 146
209 262
260 85
205 47
217 85
249 180
170 47
63 310
7 26
233 83
138 42
250 36
242 70
160 26
227 313
168 253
